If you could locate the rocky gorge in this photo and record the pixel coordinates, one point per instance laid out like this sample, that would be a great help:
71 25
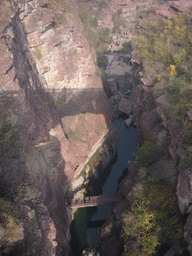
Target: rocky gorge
36 95
56 121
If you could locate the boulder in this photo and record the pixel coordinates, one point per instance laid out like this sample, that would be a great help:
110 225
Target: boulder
125 106
163 138
163 101
173 152
167 12
118 68
149 82
135 58
128 122
150 124
141 74
181 6
147 89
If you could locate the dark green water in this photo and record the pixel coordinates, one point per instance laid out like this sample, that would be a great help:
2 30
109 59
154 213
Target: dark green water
86 226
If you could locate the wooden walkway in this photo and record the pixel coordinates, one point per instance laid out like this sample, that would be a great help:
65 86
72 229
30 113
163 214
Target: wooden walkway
92 201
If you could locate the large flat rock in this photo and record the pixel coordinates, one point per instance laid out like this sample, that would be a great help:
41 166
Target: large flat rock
125 106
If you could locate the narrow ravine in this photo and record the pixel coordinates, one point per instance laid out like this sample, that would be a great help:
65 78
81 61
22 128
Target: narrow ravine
125 152
82 236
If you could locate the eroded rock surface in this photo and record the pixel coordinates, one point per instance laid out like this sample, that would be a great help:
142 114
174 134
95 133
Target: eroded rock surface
52 94
57 105
153 123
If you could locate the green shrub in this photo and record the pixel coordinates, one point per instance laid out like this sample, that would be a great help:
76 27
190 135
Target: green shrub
10 225
15 220
165 46
118 21
104 35
28 195
84 15
92 37
155 219
59 18
56 4
38 53
93 22
8 141
147 154
97 37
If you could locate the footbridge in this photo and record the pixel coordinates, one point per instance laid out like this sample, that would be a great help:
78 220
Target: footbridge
92 201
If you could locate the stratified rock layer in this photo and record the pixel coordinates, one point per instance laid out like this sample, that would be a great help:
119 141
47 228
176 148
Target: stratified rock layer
58 106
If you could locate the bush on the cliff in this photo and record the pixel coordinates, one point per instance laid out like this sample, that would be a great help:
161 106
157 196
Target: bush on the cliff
9 146
165 46
118 21
154 220
147 154
97 37
10 225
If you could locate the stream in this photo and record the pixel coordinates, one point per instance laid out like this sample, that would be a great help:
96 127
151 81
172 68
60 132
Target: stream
86 226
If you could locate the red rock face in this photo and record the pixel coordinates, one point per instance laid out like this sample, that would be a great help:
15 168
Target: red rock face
56 101
59 92
60 109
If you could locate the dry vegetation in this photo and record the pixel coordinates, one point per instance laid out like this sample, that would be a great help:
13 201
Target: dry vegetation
165 47
153 220
97 37
5 12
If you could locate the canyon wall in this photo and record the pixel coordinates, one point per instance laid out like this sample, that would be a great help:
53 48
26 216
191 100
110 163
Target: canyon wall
53 103
56 114
152 116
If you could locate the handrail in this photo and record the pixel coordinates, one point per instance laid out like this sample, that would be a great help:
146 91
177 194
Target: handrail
92 201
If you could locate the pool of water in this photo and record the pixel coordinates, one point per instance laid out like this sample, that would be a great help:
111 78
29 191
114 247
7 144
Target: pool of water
125 154
86 227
